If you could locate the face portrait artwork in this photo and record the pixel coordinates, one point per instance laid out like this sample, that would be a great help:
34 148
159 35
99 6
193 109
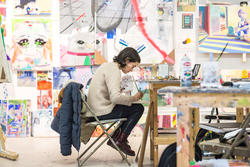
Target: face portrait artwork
31 48
80 49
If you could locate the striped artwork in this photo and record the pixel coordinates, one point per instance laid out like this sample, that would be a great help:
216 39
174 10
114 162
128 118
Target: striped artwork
216 43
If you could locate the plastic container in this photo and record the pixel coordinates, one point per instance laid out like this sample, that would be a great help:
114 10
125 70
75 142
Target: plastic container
185 72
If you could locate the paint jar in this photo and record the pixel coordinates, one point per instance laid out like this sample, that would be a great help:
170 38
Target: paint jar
244 74
154 71
210 74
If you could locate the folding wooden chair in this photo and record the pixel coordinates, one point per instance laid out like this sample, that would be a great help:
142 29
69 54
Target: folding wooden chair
116 123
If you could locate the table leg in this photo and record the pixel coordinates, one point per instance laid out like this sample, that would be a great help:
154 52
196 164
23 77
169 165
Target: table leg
185 137
155 127
145 135
194 121
153 101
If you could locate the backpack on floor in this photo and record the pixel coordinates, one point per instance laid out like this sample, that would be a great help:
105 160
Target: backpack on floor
168 157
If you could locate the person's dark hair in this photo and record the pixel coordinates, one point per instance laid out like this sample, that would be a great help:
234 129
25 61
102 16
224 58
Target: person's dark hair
128 54
243 3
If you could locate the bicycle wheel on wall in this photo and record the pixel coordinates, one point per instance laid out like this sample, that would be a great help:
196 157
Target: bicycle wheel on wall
74 14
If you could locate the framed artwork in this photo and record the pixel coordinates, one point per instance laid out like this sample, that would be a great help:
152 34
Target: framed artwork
32 47
26 79
220 25
187 21
61 75
32 7
186 5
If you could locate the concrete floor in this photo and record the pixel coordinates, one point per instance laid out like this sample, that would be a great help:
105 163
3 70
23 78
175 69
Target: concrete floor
45 152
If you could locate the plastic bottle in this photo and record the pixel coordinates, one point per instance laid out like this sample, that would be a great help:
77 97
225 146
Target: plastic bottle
185 72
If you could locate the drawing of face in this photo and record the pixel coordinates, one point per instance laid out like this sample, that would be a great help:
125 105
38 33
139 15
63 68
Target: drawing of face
31 45
81 48
81 43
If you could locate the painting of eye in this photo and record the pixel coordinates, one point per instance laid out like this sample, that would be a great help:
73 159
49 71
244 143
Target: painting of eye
23 42
40 42
80 42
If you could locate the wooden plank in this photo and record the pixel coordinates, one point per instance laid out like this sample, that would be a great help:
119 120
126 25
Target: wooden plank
247 111
183 136
196 121
212 100
239 114
217 147
165 139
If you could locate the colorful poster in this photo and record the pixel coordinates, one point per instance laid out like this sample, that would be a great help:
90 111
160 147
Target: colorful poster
44 80
3 116
32 48
41 121
32 7
3 13
84 75
186 5
164 121
17 118
44 99
56 103
187 21
2 1
3 20
62 75
224 27
26 78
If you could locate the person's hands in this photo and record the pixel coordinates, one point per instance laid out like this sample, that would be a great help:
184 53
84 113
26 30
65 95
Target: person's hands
138 96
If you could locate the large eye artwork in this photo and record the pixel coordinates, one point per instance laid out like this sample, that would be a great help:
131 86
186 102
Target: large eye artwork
23 42
80 42
40 42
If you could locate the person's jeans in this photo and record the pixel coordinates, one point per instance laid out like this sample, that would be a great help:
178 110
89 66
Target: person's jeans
133 113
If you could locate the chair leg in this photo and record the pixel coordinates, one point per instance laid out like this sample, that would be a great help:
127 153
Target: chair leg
79 157
92 144
105 131
117 148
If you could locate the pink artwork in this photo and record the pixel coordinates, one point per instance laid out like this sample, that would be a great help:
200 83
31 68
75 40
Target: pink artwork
84 75
44 99
31 48
80 49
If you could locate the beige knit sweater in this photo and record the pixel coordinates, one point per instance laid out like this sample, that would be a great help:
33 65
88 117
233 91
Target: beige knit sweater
104 91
